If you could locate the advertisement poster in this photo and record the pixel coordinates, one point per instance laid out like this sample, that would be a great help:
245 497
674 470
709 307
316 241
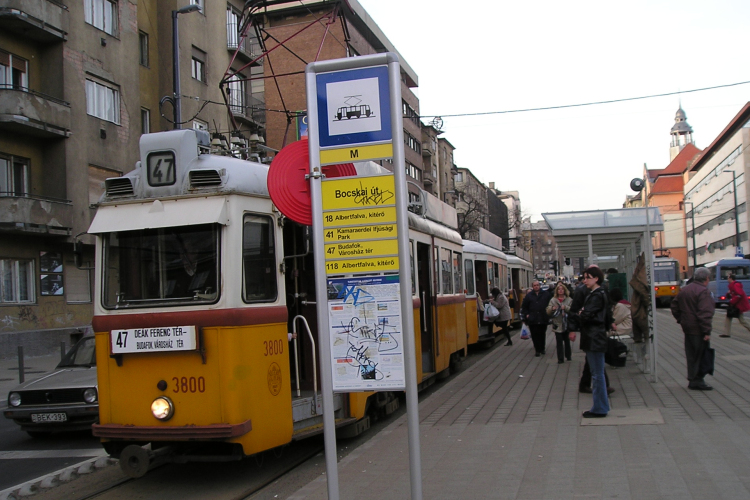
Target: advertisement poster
367 348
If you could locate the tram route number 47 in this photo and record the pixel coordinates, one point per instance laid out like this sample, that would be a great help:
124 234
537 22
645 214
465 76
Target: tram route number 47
158 339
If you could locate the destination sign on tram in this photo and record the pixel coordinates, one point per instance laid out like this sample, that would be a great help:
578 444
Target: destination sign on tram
157 339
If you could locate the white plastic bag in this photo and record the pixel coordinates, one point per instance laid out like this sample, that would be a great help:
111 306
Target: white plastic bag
490 313
525 332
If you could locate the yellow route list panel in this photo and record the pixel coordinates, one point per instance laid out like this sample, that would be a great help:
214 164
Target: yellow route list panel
356 233
359 219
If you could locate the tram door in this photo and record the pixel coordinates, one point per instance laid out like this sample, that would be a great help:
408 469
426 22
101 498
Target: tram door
425 308
480 268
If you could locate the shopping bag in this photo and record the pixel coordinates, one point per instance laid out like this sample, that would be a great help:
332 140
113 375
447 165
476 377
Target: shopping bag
490 313
732 311
617 352
707 360
525 332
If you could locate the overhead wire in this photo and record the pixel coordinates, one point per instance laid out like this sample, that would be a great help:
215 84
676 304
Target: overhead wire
578 105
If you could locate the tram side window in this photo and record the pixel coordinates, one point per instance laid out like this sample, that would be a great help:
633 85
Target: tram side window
457 274
470 278
258 259
445 266
169 266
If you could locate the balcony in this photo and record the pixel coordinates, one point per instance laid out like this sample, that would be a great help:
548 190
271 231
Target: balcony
36 215
427 149
31 113
249 47
253 112
44 21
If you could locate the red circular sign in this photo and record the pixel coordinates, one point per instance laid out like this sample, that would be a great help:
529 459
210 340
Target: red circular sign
289 189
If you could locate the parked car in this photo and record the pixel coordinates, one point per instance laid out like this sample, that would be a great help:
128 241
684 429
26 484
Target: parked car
65 399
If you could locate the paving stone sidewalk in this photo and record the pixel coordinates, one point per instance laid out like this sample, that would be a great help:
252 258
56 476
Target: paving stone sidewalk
510 427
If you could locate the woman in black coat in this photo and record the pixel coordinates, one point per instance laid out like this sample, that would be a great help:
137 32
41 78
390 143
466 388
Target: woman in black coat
593 319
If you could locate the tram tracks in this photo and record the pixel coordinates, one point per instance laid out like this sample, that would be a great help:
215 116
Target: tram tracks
222 480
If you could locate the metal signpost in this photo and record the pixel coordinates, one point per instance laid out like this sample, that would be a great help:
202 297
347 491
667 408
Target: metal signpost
360 242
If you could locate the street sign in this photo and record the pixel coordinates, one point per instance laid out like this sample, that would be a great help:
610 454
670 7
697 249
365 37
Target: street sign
365 323
354 115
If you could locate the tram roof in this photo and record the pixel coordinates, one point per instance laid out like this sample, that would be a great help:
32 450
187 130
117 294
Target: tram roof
611 231
481 248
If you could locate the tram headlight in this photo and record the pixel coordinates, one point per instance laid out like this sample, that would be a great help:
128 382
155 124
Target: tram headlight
89 395
162 408
14 399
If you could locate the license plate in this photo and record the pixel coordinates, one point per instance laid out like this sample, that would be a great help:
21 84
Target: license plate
39 418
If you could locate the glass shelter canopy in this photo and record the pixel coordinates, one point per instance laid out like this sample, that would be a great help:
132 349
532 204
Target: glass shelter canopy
610 233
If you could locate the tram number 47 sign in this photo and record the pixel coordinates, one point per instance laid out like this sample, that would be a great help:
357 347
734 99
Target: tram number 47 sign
162 339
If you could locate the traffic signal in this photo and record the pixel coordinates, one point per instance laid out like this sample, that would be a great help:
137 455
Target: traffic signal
567 261
553 264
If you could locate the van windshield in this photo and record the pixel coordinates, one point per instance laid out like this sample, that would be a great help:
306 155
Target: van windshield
165 266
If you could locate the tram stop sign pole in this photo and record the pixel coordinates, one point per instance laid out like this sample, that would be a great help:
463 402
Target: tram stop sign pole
360 241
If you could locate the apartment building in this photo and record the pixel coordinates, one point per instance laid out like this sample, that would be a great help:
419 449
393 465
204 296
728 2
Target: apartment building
322 30
716 194
471 204
80 81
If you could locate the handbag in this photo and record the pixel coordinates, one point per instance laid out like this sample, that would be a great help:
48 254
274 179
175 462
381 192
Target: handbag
490 313
525 332
706 366
617 352
732 311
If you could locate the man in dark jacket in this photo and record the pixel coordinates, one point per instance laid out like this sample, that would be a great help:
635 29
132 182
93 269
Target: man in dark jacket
534 314
693 308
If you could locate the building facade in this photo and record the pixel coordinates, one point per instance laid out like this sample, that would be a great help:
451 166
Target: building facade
471 204
716 194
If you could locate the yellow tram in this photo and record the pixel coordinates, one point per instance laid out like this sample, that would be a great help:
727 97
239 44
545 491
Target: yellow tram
200 281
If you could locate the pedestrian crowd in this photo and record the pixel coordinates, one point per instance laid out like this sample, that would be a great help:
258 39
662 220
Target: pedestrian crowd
599 316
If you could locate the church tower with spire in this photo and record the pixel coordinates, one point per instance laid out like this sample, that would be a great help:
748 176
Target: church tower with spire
682 134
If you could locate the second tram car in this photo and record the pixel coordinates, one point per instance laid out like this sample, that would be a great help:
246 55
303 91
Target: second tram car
666 279
520 277
190 244
485 268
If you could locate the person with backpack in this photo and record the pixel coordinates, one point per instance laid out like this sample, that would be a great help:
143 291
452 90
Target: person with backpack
559 309
596 319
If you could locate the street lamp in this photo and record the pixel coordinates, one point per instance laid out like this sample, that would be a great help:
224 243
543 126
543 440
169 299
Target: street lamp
692 219
736 212
176 62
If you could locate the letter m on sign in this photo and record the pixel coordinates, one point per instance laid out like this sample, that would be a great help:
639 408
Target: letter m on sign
354 153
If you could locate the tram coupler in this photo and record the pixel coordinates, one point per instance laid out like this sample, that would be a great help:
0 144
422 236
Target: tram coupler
136 460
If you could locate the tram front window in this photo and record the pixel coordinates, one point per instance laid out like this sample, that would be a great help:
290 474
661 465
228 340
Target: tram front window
166 266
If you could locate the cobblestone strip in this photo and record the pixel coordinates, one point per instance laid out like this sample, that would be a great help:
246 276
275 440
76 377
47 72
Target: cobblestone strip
48 481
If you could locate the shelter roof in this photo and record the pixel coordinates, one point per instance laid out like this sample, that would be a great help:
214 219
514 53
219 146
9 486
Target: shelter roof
612 232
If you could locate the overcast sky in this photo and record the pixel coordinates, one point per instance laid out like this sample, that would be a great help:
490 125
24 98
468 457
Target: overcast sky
478 56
